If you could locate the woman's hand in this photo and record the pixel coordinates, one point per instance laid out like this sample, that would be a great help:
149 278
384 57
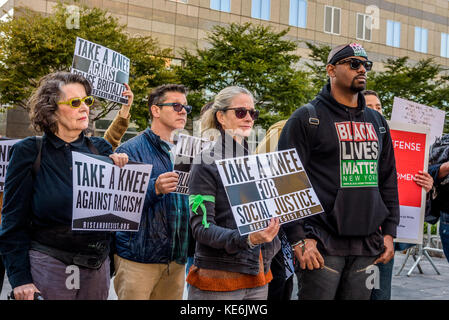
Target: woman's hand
25 292
424 180
124 111
120 159
266 235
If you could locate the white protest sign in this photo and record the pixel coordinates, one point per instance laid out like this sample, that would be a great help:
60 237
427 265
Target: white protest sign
264 186
106 197
187 148
5 148
411 152
410 112
105 69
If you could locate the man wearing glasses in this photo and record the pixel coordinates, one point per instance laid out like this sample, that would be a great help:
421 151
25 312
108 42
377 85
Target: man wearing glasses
347 152
150 263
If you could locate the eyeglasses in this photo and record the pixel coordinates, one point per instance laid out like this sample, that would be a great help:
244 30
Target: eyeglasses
176 106
240 113
76 102
355 63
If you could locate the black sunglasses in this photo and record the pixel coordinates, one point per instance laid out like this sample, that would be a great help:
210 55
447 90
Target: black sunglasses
240 113
176 106
355 63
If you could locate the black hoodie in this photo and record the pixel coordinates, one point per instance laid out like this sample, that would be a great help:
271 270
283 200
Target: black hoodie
349 159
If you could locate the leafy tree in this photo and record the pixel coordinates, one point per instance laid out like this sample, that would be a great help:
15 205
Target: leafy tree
33 45
318 56
252 56
421 82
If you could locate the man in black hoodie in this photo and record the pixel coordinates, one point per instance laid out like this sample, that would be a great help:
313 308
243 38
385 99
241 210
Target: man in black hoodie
347 152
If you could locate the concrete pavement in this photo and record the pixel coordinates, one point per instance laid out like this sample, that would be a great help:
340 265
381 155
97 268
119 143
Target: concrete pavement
426 286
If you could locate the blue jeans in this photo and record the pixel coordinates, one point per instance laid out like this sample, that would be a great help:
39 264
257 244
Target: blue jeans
386 274
188 265
444 233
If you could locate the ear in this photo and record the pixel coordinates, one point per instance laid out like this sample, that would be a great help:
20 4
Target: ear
220 117
155 111
330 69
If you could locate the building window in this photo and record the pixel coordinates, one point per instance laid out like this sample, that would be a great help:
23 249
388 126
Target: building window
180 1
364 26
421 39
332 20
221 5
444 45
260 9
298 13
393 33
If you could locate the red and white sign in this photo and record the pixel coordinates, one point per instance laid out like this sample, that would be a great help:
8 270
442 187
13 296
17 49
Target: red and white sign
411 149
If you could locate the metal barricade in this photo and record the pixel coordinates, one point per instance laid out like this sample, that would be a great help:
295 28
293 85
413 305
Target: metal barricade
420 251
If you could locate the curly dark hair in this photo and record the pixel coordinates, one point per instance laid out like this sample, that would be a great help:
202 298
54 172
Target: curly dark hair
158 94
44 100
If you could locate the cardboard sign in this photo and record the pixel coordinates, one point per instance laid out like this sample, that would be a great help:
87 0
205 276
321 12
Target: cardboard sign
5 148
411 150
105 69
187 148
265 186
410 112
106 197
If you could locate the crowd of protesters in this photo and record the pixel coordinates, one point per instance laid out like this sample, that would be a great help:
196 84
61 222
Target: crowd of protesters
332 250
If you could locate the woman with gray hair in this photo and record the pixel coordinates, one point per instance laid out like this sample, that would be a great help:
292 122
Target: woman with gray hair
226 265
36 240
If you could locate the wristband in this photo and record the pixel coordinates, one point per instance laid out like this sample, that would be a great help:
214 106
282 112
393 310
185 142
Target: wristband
301 244
250 244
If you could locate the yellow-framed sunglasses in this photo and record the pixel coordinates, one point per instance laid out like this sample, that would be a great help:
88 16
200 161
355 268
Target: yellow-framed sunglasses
76 102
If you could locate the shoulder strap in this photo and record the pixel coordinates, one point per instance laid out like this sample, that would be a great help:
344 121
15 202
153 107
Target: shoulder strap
37 162
91 147
314 121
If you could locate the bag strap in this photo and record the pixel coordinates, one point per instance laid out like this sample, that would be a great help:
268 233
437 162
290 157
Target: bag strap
314 121
37 162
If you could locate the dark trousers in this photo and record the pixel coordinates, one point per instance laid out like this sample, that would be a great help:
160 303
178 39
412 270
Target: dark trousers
342 278
2 274
279 288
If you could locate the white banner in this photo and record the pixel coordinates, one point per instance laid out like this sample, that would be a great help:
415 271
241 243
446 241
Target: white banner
105 69
5 148
410 112
269 185
106 197
187 148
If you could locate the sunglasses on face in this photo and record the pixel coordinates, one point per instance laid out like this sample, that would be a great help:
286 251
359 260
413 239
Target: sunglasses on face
76 102
176 106
355 63
240 113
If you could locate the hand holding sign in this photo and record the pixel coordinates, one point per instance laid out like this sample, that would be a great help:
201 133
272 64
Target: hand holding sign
266 235
120 159
129 94
424 180
166 183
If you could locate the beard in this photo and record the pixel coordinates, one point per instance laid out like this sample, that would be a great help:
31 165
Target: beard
357 88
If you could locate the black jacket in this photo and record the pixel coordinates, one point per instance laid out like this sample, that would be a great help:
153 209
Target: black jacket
220 246
350 162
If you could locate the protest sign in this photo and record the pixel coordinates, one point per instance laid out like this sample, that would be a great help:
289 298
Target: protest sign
411 150
105 69
287 253
405 111
187 148
5 148
269 185
106 197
